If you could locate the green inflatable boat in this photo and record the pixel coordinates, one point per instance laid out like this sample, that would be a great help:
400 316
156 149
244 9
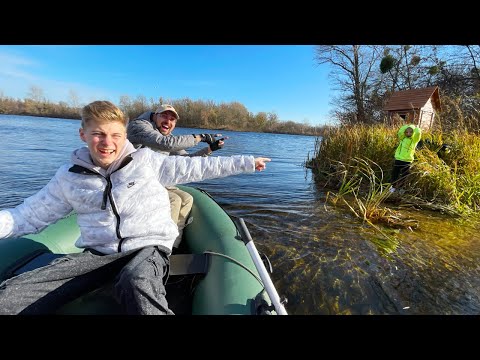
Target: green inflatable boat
216 271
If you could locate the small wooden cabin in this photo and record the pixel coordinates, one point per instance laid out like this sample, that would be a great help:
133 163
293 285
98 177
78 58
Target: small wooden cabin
415 106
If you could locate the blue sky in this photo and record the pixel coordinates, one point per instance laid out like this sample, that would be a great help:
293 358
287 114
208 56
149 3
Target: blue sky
284 79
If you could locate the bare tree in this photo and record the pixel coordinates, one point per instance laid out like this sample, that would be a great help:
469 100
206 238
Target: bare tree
410 66
474 52
74 100
36 94
352 67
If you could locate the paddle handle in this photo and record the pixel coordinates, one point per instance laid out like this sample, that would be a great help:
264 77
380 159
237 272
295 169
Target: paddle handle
262 270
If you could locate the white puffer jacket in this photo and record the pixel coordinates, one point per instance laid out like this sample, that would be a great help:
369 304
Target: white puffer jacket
136 205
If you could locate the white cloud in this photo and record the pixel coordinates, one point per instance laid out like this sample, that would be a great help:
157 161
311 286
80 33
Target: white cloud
11 66
18 73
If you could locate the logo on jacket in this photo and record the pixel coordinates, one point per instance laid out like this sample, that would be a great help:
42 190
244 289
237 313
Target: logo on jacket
130 184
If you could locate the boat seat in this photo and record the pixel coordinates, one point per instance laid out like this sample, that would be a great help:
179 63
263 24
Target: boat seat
32 262
180 264
101 301
188 264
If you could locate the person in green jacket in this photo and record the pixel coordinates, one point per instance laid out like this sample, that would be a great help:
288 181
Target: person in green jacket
409 136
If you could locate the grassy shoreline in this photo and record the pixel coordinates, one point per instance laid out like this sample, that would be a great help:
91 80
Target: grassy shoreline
356 162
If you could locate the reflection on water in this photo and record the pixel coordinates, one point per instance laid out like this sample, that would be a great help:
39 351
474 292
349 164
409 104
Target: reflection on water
325 261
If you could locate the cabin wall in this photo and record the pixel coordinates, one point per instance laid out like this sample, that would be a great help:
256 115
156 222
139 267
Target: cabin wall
399 117
427 116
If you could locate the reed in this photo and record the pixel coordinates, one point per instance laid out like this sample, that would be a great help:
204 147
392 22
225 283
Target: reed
363 192
356 161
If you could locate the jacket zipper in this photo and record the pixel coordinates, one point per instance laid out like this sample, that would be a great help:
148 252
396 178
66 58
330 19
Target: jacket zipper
108 193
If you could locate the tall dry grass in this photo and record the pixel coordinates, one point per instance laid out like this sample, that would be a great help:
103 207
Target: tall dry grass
358 160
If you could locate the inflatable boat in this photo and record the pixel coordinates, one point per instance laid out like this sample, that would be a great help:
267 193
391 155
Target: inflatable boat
216 270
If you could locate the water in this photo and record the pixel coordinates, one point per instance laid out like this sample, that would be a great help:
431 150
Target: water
325 260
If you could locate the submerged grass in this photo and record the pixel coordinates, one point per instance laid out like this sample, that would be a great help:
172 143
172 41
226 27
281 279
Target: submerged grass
364 192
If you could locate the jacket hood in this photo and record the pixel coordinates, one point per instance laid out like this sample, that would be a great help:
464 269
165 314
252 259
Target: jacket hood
147 115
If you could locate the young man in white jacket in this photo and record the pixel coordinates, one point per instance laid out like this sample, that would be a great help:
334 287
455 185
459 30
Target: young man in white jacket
123 212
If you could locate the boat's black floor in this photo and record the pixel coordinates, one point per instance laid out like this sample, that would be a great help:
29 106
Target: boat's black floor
180 288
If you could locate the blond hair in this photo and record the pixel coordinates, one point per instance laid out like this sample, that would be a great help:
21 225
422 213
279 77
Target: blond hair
102 112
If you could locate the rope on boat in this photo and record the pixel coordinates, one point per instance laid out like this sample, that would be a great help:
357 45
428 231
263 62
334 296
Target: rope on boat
238 263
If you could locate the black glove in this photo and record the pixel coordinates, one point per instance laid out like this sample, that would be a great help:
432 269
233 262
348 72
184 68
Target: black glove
215 145
208 138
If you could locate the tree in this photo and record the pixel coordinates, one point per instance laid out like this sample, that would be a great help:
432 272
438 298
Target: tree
407 67
474 52
73 99
36 94
352 69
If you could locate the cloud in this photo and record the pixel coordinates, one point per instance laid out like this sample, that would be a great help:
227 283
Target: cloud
11 66
19 73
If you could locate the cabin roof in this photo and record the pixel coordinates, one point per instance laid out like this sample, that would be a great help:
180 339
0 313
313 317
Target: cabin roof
413 99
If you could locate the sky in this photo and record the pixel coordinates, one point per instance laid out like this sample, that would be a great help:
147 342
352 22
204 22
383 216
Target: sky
283 79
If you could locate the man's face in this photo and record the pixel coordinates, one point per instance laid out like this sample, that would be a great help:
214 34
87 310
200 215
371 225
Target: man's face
409 132
165 122
105 141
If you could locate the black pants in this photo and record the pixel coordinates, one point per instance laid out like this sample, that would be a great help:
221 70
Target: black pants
400 170
139 276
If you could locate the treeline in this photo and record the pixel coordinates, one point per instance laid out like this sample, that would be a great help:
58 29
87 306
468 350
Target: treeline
43 108
365 76
195 114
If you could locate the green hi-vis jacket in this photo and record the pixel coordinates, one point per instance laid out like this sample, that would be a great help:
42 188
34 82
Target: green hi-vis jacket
406 148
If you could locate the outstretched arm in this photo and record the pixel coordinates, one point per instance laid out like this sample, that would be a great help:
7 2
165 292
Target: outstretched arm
182 169
36 212
216 145
204 151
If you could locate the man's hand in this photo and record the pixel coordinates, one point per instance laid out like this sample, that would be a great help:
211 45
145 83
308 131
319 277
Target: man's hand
209 138
260 163
218 144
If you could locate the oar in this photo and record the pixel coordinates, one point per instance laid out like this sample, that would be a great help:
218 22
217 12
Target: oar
267 282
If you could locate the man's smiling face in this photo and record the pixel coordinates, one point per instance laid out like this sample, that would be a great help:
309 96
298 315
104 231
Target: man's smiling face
166 122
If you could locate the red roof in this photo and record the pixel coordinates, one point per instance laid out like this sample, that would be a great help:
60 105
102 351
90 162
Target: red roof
413 99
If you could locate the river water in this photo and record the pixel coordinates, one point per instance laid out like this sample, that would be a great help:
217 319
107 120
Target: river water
325 261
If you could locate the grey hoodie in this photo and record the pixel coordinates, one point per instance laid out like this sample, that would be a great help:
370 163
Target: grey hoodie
143 131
